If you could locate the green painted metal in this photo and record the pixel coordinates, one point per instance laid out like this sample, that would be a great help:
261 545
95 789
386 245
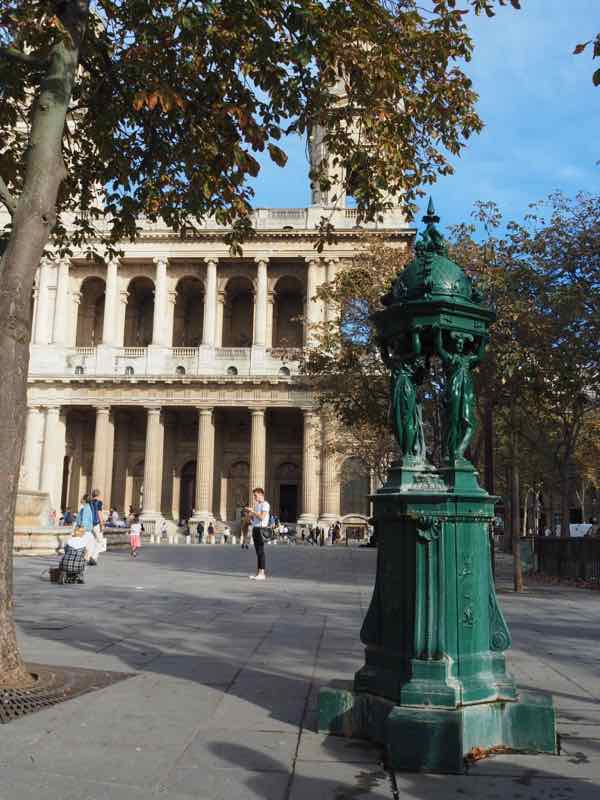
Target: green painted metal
435 682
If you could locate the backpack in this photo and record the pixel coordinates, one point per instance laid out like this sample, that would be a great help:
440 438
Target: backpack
85 518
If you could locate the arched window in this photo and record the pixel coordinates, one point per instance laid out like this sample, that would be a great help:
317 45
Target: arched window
129 371
232 370
79 370
139 315
354 487
189 313
90 313
287 313
285 372
180 370
238 313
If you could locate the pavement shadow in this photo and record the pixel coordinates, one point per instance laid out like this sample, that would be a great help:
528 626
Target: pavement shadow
329 779
362 779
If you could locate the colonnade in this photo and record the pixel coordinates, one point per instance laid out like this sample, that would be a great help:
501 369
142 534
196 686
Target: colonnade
45 449
57 300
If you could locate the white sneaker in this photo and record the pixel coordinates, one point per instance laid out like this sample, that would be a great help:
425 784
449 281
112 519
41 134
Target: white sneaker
257 577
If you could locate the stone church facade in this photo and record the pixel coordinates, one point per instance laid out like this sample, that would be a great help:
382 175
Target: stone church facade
168 378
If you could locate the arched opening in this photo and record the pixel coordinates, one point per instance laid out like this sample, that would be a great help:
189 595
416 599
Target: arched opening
238 313
139 315
287 313
180 370
189 313
354 487
137 488
187 490
232 371
238 478
284 372
129 371
287 479
79 370
90 314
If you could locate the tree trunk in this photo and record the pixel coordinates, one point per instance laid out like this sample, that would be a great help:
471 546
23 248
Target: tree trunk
488 447
582 500
565 516
515 511
32 224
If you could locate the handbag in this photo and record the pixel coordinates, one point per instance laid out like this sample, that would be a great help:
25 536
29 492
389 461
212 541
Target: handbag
267 533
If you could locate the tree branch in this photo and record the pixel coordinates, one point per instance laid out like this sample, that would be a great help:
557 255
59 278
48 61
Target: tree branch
6 197
13 54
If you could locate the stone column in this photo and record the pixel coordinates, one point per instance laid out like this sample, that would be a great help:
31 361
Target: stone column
32 455
270 318
108 474
314 308
205 463
61 312
101 437
310 477
120 318
41 334
53 454
171 427
121 461
160 299
210 304
220 313
153 463
75 302
110 328
258 448
260 303
169 318
330 477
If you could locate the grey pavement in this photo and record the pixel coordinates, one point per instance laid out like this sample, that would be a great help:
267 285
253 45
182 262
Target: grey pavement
222 700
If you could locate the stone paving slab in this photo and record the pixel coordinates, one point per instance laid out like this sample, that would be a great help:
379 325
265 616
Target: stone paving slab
223 702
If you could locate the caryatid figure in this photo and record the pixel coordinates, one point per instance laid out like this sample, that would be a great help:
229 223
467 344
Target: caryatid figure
405 409
459 398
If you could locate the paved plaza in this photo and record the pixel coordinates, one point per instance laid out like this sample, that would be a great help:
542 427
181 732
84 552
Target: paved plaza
222 700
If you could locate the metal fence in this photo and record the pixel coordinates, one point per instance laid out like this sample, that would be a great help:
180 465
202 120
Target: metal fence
569 558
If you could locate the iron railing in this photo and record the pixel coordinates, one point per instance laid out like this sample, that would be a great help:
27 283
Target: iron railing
569 558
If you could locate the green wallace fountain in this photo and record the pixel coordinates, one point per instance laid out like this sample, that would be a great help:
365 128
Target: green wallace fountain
435 684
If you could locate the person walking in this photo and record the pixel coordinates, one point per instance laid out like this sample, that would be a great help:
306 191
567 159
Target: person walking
97 530
85 520
135 537
200 532
245 529
260 520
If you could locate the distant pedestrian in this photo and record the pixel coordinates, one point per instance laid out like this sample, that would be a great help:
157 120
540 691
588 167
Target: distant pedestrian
135 537
98 528
85 520
200 531
211 532
245 530
260 521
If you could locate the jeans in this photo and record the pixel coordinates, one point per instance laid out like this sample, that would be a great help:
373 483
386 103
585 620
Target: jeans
259 546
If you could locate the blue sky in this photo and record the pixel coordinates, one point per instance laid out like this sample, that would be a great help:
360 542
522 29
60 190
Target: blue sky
540 109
